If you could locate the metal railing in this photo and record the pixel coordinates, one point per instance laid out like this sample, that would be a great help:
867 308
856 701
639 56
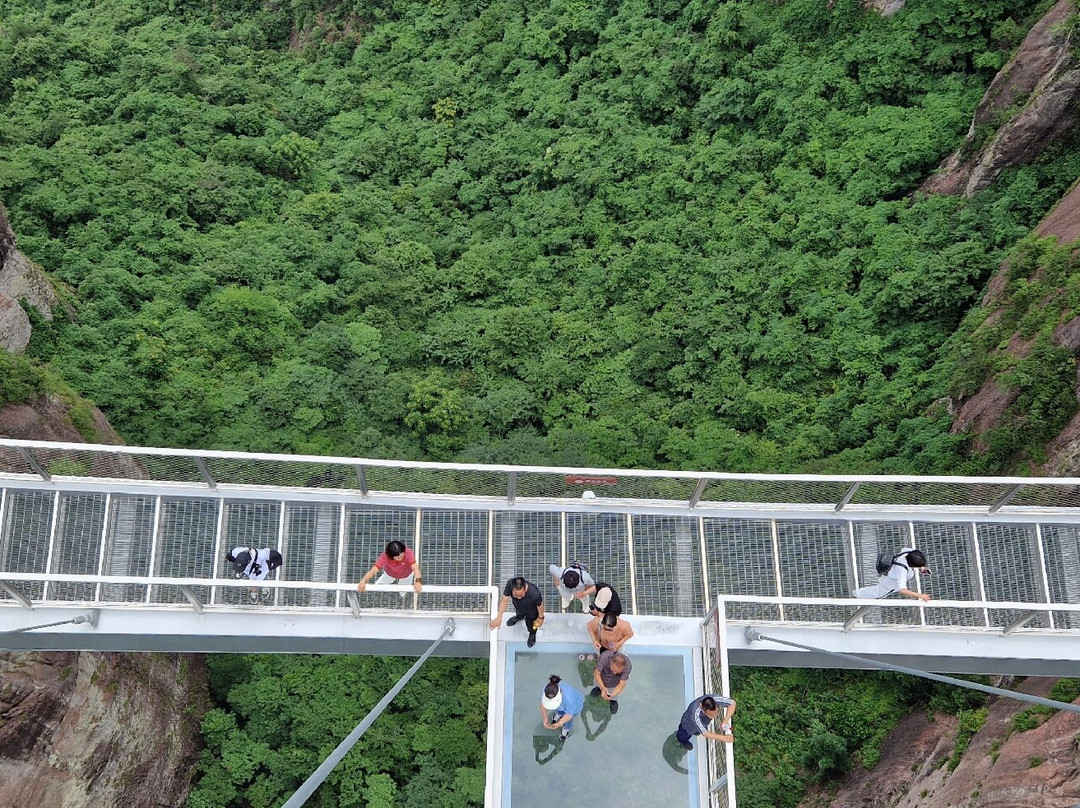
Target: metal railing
514 485
944 615
669 542
719 756
202 595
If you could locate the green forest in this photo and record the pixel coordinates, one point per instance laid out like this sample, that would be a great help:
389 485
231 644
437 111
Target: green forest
642 234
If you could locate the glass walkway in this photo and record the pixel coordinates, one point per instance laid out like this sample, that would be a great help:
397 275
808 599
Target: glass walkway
695 555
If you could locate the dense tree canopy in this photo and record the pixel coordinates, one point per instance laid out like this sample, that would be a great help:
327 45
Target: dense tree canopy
645 234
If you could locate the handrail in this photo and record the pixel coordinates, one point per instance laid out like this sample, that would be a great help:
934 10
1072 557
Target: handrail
241 583
508 468
889 603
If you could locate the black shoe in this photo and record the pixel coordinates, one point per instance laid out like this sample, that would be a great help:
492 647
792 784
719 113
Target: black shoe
532 639
513 621
564 734
594 692
614 706
686 745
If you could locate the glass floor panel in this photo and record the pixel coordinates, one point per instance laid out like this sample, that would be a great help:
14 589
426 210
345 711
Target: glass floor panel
631 757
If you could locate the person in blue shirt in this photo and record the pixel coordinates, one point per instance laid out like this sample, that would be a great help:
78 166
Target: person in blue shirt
698 716
563 702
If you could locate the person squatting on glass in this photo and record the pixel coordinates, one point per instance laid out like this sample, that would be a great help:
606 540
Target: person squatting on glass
564 703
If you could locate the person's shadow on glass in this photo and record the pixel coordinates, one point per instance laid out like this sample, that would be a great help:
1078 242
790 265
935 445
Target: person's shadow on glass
546 747
674 754
597 712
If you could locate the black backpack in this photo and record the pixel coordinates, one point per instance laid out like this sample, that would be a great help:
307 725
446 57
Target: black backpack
885 562
575 570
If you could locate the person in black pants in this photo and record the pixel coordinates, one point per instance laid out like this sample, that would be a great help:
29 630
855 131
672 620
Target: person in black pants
528 606
605 601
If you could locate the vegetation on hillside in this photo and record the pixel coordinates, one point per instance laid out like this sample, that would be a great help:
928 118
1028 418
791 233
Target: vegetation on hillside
637 234
632 234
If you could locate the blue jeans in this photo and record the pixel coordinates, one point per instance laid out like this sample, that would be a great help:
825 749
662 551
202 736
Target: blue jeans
559 714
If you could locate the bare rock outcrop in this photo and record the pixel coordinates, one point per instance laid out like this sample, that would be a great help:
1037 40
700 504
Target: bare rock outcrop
982 411
1001 768
886 8
86 730
1043 83
20 279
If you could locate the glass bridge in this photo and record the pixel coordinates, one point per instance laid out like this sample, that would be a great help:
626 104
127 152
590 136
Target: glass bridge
139 535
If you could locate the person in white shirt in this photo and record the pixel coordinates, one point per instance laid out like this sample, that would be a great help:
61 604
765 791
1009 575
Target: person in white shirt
254 564
573 583
906 565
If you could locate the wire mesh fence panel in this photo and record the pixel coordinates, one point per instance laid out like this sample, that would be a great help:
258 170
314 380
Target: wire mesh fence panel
1046 495
598 487
282 473
930 493
310 553
129 533
601 542
437 481
77 545
25 537
813 564
526 542
251 525
172 468
668 566
1010 566
12 461
1061 549
185 547
817 492
950 553
367 532
871 540
739 559
455 548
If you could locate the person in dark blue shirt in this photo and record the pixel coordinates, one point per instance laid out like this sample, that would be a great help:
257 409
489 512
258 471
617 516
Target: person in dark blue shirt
698 716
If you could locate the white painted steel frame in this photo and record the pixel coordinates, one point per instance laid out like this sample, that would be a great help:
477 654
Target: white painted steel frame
998 507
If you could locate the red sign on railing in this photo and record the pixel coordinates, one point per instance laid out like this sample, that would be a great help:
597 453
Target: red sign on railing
577 479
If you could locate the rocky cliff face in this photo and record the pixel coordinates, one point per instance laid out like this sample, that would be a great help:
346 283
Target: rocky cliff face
1033 102
1001 768
89 730
99 730
20 279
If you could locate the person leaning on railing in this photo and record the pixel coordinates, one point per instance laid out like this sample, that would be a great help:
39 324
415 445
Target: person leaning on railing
397 564
528 606
700 714
903 569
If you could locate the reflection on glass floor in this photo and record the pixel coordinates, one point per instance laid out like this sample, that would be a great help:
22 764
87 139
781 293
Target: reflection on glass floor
631 759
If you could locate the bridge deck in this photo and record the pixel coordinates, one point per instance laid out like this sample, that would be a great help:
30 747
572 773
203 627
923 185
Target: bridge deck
140 536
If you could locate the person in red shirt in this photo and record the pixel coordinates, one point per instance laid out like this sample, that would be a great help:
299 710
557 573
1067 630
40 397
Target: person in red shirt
397 564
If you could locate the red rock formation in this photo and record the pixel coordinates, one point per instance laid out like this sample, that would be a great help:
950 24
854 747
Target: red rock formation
92 730
1040 80
1002 767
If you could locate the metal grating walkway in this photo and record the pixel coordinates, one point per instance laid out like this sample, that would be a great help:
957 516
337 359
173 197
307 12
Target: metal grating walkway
669 542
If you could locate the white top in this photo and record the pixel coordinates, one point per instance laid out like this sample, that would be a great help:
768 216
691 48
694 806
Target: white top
261 562
900 574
